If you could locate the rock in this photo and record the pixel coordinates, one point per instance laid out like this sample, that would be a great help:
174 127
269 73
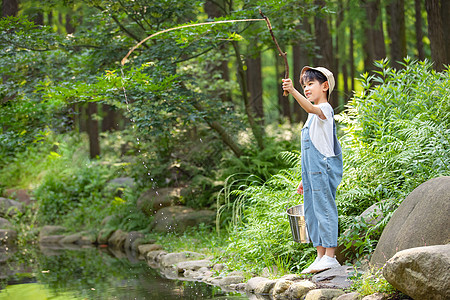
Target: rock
259 285
117 239
70 239
51 230
51 239
299 289
349 296
179 218
422 219
5 224
20 195
291 277
8 236
334 278
9 207
239 286
421 273
131 237
280 289
153 200
227 281
104 235
219 267
87 238
376 296
193 265
171 259
144 249
324 294
155 256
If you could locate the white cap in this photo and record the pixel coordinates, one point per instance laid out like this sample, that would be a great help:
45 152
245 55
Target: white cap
327 73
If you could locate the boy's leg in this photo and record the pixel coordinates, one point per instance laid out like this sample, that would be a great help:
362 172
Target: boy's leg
325 210
312 223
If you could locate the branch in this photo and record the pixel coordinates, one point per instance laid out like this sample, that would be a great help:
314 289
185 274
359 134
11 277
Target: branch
281 53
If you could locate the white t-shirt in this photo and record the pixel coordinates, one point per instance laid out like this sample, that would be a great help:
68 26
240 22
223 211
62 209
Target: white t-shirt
321 131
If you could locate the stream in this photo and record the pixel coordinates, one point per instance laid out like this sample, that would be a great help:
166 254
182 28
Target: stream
91 273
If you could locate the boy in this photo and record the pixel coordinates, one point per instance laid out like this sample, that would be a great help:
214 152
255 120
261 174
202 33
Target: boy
321 164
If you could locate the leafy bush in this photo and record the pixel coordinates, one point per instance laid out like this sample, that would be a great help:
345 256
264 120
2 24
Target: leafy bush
396 137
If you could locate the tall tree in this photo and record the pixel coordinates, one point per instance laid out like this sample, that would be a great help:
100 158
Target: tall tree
255 88
418 28
217 9
397 31
436 33
10 8
374 43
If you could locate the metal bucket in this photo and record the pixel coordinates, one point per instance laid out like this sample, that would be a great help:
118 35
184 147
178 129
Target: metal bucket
296 216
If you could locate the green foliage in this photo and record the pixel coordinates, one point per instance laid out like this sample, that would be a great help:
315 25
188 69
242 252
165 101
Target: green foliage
396 137
371 282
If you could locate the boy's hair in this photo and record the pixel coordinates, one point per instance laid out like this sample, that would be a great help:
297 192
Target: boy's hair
311 75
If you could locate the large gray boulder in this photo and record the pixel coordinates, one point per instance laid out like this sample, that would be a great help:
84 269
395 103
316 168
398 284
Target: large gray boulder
422 219
152 200
421 273
179 218
9 207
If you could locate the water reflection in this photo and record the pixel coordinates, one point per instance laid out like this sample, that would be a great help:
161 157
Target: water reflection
91 273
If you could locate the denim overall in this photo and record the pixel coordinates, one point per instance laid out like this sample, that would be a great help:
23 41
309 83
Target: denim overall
321 175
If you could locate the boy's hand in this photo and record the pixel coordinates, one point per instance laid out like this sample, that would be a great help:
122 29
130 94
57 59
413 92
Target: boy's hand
287 85
300 188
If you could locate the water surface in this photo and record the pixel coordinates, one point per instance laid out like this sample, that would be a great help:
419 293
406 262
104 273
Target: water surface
91 273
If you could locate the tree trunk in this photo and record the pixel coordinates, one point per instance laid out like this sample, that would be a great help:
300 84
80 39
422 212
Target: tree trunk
397 31
69 27
213 10
436 33
445 13
325 45
256 129
351 55
255 88
109 122
418 26
92 130
10 8
374 44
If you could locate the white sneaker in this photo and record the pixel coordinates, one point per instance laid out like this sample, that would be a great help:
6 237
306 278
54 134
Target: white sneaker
325 263
311 266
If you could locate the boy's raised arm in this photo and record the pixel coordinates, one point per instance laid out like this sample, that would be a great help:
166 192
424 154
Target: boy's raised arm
304 103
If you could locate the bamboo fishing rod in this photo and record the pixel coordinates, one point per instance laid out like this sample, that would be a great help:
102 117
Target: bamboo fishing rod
264 18
124 60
